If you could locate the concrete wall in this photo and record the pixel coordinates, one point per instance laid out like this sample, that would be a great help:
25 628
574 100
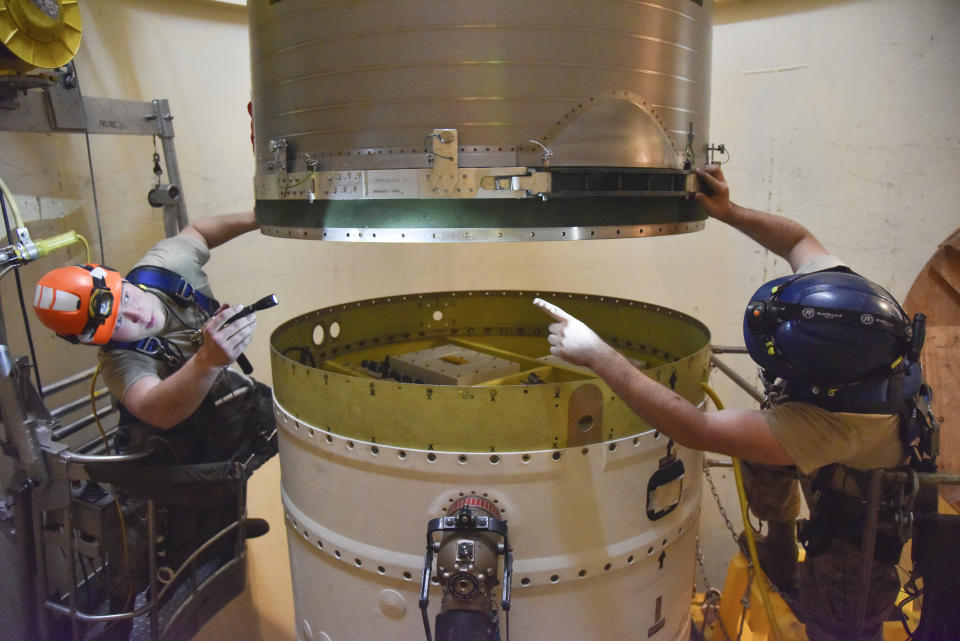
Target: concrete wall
841 115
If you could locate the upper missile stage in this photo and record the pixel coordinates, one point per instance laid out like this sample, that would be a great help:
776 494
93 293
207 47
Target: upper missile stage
416 121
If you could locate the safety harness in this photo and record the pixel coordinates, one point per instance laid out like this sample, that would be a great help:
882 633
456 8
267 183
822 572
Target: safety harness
838 513
182 292
239 430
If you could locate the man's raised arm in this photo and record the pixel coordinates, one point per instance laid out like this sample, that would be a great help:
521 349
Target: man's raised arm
216 230
786 238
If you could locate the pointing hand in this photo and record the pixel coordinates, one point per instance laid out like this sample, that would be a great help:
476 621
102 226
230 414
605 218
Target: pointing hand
570 339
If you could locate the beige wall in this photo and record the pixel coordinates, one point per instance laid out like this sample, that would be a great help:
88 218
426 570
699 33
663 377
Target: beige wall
841 115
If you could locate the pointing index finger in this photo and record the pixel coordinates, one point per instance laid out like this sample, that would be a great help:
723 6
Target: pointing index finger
551 309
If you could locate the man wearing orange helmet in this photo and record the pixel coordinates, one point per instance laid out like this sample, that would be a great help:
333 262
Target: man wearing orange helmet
165 347
91 304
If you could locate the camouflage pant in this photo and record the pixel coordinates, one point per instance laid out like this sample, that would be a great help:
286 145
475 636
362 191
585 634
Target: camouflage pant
829 590
829 582
240 430
773 493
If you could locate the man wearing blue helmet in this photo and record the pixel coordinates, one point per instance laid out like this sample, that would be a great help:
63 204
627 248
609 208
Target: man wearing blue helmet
838 358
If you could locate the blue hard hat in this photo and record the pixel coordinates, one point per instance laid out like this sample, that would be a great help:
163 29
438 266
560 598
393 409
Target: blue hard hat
829 328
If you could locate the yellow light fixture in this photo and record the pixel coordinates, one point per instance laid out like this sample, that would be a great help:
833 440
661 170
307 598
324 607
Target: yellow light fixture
41 34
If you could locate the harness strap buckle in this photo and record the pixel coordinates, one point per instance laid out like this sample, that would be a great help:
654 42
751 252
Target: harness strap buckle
185 291
151 346
904 513
157 347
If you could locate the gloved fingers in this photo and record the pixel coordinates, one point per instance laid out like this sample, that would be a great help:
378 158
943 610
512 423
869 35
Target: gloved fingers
220 323
553 339
715 183
244 326
229 340
244 343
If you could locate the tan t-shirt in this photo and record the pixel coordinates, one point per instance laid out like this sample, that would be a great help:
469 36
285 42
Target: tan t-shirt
814 437
820 263
184 255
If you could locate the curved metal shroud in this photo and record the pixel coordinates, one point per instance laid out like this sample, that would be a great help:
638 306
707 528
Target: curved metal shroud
356 101
319 373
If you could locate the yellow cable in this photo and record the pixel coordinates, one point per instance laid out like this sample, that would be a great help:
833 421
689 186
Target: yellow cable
747 528
86 246
46 245
17 219
69 237
93 405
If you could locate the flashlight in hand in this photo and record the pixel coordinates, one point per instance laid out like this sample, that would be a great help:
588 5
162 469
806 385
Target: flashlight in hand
264 303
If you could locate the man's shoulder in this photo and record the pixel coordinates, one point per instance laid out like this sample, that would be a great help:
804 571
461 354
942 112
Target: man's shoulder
174 250
121 368
820 263
183 254
815 437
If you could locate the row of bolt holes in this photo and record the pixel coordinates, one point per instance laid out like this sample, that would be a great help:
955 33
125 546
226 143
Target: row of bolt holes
357 562
463 459
291 232
467 234
370 152
525 581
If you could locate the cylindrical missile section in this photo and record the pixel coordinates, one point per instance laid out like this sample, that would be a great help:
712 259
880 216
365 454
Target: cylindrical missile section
398 412
419 121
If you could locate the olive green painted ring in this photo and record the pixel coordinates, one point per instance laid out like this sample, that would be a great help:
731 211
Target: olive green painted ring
482 220
319 380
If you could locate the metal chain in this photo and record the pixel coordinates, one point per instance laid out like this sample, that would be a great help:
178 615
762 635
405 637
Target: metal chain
723 512
703 568
733 533
710 594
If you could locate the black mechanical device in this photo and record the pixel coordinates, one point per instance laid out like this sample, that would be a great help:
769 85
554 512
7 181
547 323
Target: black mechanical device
473 537
264 303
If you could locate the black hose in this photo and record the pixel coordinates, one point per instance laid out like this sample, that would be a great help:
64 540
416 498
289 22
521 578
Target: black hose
93 183
23 307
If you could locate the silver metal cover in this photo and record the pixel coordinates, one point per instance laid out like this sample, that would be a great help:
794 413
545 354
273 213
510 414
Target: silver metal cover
609 88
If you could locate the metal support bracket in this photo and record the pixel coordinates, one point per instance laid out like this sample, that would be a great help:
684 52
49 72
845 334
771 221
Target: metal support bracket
61 108
174 213
444 175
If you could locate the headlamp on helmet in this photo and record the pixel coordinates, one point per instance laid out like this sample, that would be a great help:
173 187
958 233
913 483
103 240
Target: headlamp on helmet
101 304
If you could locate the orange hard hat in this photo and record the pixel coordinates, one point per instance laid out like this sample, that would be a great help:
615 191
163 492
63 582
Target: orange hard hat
80 303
